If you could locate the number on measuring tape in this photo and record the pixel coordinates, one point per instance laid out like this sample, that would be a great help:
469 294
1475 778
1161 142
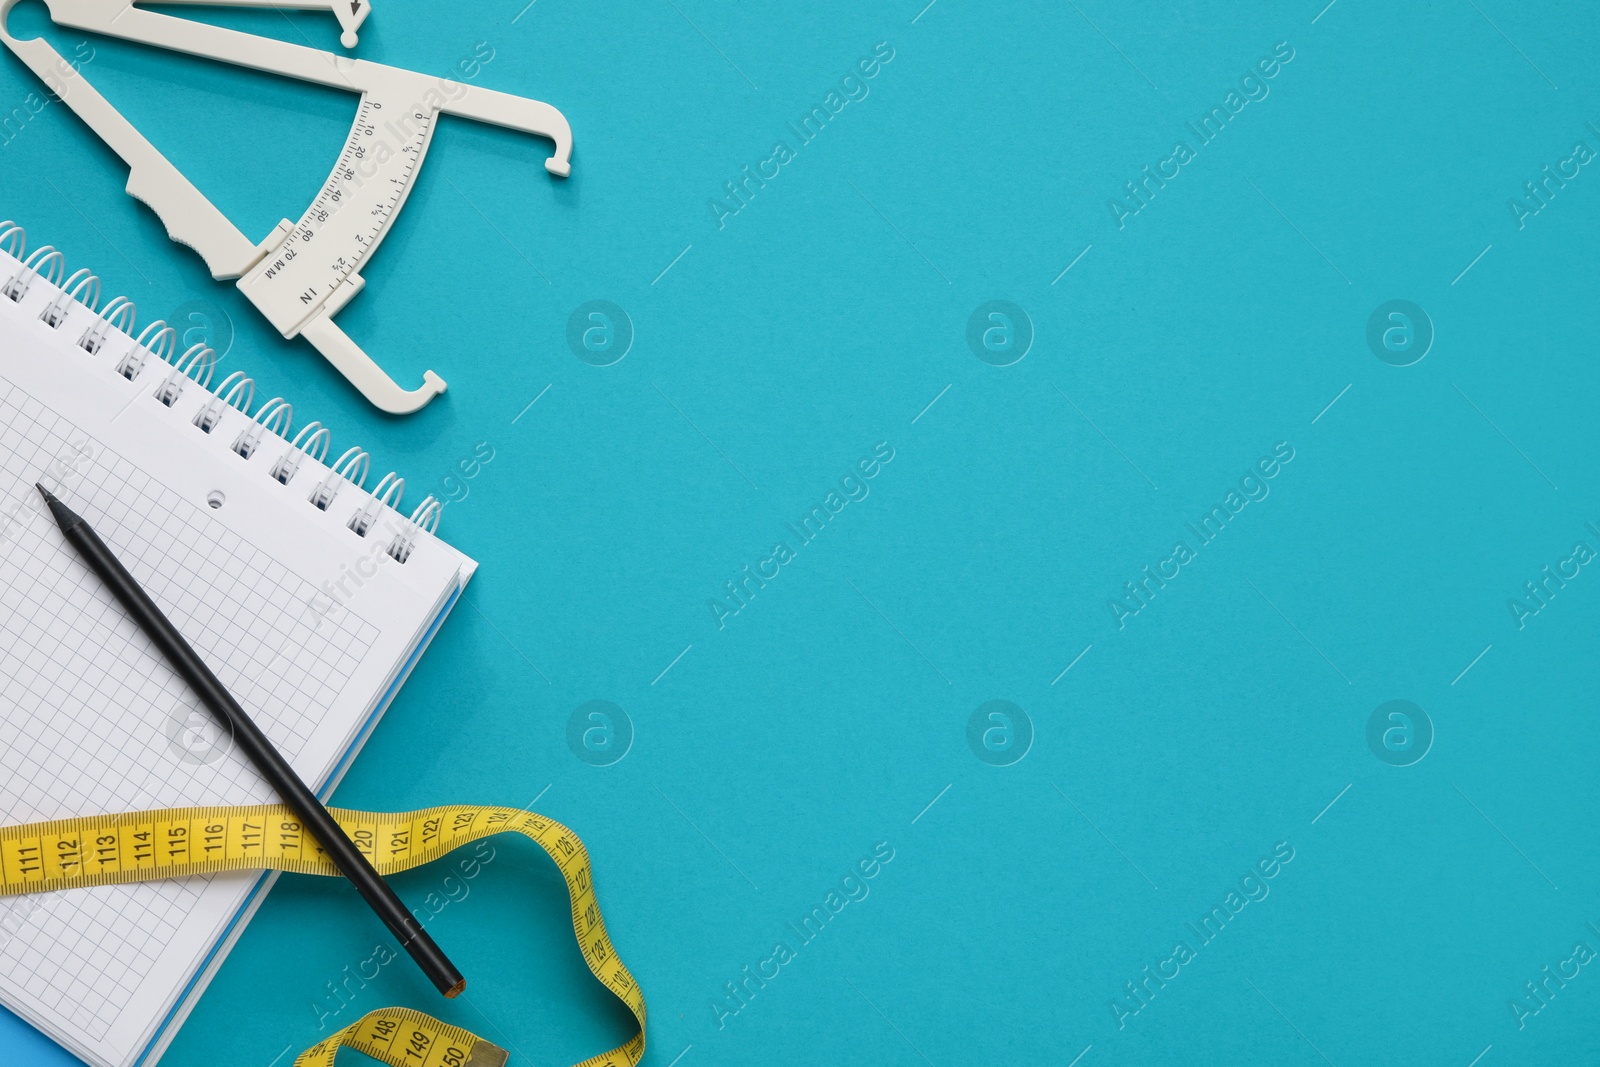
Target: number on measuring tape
141 846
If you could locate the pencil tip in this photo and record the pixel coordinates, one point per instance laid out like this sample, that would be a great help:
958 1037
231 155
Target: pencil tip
65 517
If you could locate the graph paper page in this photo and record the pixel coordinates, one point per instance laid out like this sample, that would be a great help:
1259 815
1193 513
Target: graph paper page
91 717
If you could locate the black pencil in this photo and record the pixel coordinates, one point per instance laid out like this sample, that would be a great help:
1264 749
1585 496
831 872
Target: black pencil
261 752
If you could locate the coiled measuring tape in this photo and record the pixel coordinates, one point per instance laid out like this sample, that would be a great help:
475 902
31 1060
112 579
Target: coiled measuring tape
145 846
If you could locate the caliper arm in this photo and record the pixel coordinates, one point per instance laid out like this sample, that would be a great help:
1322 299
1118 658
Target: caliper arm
193 220
189 217
350 13
518 113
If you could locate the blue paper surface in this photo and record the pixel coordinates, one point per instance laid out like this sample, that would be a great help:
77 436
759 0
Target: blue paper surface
1175 723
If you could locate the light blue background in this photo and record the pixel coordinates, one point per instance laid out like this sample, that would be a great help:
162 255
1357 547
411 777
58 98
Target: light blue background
826 716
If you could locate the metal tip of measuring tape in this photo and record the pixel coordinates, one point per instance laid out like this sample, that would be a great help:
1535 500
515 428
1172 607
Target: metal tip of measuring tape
485 1054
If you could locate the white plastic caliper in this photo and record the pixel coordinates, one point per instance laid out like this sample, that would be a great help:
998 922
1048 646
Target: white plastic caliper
303 273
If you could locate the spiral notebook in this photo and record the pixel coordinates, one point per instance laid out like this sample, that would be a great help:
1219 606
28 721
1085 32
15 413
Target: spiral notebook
309 596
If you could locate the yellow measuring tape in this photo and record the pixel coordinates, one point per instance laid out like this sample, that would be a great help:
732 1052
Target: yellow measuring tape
144 846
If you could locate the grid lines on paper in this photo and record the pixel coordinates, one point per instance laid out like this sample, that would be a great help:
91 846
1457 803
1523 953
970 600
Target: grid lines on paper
93 720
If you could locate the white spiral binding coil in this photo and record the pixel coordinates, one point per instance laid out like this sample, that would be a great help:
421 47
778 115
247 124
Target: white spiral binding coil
198 363
120 313
388 493
45 259
351 467
13 238
157 339
274 416
237 391
424 519
312 438
82 281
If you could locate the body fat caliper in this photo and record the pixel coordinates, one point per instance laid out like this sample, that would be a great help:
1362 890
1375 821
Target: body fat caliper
305 272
